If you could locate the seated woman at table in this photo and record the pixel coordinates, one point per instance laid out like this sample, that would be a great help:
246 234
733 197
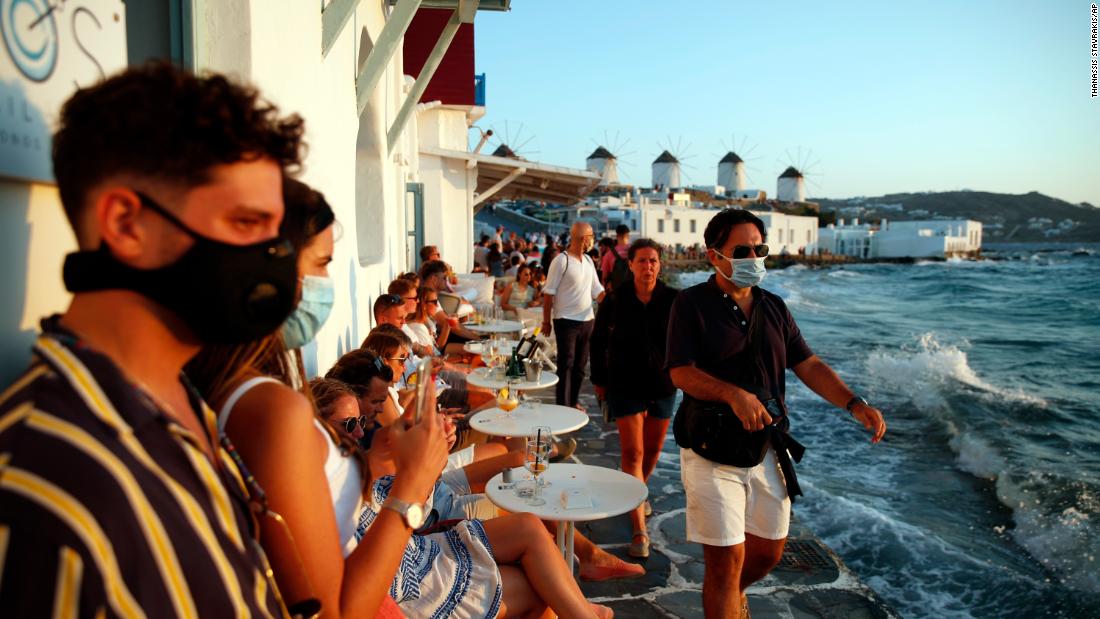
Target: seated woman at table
428 325
445 568
520 293
448 503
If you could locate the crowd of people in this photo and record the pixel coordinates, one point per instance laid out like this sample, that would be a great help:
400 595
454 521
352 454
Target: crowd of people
166 454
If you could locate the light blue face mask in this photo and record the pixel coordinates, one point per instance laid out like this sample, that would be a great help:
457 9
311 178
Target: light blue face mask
318 294
746 272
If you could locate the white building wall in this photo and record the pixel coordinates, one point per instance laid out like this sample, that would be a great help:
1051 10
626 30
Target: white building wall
608 170
277 47
790 233
853 241
732 176
667 175
791 190
905 244
966 233
674 225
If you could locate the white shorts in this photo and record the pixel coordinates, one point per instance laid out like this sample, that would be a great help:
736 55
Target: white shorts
724 502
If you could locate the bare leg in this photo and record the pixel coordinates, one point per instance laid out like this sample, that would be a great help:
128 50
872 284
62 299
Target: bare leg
520 600
597 563
761 555
653 438
721 581
521 538
632 451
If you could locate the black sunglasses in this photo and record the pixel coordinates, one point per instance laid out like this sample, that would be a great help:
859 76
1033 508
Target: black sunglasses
393 299
349 423
742 251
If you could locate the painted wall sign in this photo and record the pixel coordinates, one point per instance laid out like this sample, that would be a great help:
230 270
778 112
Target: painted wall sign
50 49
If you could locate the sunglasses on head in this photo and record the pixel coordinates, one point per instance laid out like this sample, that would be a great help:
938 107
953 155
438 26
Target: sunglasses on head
349 424
392 299
742 251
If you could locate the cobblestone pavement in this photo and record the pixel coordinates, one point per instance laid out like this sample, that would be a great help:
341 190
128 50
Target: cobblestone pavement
810 582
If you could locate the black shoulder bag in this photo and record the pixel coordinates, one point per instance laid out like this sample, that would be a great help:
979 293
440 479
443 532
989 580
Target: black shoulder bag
713 430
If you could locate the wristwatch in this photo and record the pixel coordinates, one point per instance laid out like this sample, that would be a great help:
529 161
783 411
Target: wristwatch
856 400
412 513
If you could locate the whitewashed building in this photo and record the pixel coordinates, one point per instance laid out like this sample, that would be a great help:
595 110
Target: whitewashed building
853 240
666 171
791 186
928 239
604 163
389 151
903 239
731 172
679 225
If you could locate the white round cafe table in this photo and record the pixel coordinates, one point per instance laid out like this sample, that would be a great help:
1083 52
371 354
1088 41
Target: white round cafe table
496 326
519 422
481 347
480 378
612 492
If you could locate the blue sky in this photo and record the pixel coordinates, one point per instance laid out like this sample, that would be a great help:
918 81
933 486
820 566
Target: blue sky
879 96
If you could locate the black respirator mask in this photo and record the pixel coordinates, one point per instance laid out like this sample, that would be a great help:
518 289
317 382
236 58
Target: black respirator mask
226 294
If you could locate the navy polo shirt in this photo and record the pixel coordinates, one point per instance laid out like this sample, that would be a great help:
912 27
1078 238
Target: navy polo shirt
708 330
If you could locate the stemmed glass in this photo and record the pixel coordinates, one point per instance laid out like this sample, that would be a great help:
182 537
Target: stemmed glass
506 399
537 461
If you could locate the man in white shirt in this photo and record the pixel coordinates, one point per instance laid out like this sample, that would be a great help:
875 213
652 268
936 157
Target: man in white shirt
571 285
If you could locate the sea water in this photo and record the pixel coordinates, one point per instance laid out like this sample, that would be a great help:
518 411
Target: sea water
984 498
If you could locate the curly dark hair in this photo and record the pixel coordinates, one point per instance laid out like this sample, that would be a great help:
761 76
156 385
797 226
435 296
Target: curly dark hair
167 124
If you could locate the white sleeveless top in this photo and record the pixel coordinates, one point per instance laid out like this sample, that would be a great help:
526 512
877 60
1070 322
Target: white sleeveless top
342 471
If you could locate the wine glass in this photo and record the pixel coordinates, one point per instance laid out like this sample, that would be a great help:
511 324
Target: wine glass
506 400
537 461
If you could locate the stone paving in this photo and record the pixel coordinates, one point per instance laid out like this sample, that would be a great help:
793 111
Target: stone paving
810 582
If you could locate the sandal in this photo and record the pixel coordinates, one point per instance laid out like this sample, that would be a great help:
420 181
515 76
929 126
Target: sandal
639 550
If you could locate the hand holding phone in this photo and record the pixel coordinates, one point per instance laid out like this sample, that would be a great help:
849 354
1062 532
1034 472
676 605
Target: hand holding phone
423 378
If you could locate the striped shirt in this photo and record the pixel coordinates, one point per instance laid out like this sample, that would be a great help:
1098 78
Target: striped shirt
110 508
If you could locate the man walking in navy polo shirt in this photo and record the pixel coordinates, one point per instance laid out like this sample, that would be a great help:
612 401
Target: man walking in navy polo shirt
741 515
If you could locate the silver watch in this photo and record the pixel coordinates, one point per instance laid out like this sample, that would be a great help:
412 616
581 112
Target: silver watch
412 513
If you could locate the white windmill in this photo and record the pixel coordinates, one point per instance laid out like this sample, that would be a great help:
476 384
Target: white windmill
791 184
667 167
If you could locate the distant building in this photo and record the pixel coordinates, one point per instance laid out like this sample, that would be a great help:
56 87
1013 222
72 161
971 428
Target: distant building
941 238
731 172
681 225
666 171
602 162
903 239
791 186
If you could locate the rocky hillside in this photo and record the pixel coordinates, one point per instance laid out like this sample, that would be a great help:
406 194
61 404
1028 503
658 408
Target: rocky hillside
1005 217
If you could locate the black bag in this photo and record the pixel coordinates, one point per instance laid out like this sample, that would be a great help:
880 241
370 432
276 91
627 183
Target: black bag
713 430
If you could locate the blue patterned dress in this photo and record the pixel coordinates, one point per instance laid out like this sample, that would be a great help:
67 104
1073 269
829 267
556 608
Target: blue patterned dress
450 574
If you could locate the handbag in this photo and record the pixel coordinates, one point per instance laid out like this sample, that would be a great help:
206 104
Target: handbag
713 431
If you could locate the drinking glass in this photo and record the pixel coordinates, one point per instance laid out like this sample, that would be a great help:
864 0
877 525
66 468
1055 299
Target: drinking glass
537 461
506 400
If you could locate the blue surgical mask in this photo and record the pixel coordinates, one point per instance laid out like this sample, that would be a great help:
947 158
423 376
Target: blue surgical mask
746 272
303 324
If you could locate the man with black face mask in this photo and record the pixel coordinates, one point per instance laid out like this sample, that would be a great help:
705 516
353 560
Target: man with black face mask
113 483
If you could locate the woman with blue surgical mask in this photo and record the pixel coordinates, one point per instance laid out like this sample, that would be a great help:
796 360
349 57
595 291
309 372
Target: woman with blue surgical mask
311 476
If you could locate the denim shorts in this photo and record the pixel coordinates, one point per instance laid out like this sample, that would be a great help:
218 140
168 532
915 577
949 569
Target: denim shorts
625 406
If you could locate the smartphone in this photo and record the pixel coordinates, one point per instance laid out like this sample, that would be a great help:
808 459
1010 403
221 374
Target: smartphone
423 377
